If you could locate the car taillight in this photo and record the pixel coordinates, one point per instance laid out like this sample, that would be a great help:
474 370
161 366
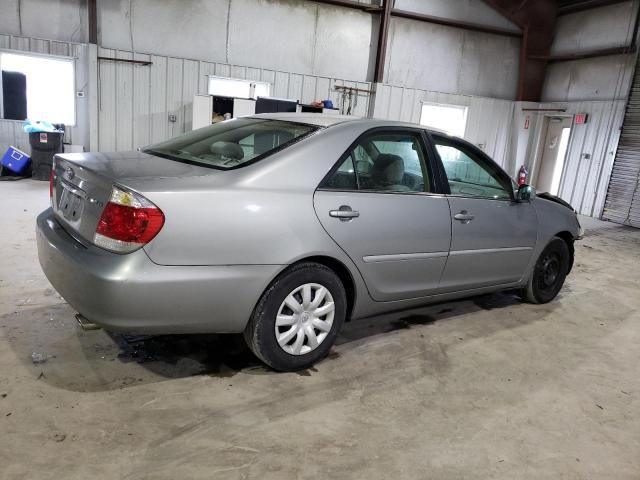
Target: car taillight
52 182
128 222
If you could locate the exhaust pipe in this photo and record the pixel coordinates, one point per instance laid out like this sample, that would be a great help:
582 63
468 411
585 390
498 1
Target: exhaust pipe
85 324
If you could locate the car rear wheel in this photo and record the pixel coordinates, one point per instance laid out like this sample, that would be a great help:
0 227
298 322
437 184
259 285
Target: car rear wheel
297 318
548 273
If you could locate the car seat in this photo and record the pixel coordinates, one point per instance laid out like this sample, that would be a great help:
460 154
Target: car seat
229 150
387 173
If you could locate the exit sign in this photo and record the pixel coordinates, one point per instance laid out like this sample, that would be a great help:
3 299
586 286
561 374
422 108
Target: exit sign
580 118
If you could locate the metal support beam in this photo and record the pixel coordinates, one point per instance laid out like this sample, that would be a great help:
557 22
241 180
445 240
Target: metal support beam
454 23
383 35
144 63
603 52
544 109
537 18
343 88
92 12
582 5
351 4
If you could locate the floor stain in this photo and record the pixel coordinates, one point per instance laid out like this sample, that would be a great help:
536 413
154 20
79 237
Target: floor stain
333 355
185 355
409 321
499 300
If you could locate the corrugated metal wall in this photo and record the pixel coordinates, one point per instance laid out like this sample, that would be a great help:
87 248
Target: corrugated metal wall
488 119
10 130
590 155
590 152
134 101
623 197
11 134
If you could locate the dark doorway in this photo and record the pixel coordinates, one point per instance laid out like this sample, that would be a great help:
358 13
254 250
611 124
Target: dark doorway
14 95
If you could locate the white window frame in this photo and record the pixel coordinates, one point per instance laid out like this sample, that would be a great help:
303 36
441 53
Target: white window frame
463 108
251 84
72 60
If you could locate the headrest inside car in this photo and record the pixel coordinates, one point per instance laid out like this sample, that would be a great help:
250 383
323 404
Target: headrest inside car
227 150
388 169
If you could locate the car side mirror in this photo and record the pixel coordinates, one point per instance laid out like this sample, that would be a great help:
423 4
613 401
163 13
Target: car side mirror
525 193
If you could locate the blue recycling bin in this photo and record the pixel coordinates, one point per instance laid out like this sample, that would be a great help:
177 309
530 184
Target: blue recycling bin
15 160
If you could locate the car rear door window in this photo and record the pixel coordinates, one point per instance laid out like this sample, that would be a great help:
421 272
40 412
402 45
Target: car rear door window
469 175
383 162
344 178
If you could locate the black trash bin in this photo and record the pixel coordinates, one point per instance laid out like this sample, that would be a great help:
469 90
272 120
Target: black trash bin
44 145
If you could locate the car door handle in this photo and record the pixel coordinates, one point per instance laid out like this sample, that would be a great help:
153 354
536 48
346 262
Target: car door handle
464 217
344 213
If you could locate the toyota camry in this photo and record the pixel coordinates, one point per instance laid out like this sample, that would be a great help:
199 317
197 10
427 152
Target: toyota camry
284 226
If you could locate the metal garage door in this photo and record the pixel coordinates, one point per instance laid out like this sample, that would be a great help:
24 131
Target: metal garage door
623 197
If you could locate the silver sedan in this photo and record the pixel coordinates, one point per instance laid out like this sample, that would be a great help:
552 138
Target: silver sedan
283 226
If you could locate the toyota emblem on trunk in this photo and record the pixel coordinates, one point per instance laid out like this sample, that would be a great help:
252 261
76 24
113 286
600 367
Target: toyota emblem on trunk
69 173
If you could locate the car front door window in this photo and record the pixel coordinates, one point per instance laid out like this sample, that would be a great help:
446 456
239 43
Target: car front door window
468 175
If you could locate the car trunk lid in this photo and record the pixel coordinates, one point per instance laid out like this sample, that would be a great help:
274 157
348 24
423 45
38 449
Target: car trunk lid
82 184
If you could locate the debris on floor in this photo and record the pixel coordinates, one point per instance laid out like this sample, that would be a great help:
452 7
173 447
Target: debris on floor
38 358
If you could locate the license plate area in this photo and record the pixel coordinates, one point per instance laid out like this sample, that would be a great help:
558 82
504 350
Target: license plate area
71 202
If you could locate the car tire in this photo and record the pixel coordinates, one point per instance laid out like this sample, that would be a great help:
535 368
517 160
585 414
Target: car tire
548 273
284 315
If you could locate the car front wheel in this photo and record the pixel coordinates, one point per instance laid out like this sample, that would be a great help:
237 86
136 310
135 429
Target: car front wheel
297 318
549 272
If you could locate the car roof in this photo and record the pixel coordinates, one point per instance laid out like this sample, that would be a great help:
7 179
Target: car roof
320 120
328 120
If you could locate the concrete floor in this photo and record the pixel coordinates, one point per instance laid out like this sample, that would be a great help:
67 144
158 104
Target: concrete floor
485 388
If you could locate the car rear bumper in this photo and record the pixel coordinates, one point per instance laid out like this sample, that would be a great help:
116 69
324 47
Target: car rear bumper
131 293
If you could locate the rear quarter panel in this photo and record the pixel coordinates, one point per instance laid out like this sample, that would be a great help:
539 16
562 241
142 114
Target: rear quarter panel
237 226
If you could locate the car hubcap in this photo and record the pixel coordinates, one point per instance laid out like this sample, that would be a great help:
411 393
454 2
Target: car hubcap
550 270
304 319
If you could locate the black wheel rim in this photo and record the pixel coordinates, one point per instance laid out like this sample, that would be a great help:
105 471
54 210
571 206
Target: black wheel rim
549 270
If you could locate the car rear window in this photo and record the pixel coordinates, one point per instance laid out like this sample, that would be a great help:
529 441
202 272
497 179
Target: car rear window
233 143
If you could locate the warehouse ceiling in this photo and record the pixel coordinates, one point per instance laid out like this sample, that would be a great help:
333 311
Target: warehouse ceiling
537 18
572 6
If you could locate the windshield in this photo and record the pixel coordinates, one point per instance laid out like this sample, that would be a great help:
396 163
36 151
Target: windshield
232 143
